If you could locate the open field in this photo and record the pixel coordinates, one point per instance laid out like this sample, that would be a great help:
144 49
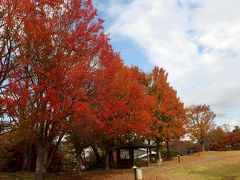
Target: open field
207 165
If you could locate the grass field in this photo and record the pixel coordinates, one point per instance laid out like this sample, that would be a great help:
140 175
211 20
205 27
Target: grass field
207 165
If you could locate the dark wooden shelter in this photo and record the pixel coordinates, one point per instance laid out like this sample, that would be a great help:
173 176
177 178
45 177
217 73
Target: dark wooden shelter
124 155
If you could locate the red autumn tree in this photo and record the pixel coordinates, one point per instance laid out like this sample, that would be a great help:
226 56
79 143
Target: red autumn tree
118 102
85 124
169 112
82 134
60 42
200 122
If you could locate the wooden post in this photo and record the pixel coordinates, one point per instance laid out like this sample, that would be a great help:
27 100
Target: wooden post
178 158
137 173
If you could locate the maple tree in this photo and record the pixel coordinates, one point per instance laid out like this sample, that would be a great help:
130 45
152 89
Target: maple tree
118 102
168 113
85 127
60 41
200 122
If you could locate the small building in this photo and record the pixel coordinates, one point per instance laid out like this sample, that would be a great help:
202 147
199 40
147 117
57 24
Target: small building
126 156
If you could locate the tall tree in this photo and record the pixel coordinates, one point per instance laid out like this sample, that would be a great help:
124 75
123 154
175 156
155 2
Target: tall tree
169 112
200 122
119 103
61 41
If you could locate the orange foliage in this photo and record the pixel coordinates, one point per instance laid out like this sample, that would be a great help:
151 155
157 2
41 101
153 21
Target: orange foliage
169 112
119 101
200 122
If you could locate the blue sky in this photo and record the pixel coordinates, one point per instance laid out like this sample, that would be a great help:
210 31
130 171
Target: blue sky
196 41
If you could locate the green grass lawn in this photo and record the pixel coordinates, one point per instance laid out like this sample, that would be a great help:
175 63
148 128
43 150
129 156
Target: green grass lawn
210 165
207 165
226 165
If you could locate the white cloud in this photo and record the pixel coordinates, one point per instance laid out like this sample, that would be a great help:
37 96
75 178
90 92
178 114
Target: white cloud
197 41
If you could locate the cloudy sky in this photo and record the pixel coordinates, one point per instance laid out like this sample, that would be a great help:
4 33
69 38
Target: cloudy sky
196 41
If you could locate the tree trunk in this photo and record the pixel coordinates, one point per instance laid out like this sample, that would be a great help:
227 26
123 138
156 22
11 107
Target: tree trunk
111 159
27 157
78 158
168 151
203 147
107 160
40 168
98 157
159 156
45 162
202 142
83 162
52 153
